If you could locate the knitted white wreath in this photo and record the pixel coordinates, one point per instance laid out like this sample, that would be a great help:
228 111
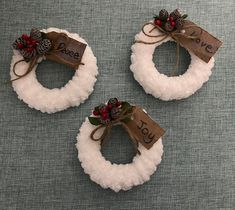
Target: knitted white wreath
115 176
75 92
160 85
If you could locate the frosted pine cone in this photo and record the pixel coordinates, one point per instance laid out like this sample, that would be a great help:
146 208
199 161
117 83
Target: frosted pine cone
19 43
44 46
163 14
28 53
113 101
175 14
179 23
36 34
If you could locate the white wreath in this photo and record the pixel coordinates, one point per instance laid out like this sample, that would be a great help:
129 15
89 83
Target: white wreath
76 91
160 85
115 176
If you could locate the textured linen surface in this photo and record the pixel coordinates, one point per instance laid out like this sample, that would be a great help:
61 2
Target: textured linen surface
39 168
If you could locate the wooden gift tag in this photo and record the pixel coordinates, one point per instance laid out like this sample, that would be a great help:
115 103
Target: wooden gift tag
143 128
204 47
66 51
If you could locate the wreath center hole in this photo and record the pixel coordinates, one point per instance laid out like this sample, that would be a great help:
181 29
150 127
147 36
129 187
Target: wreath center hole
165 58
118 147
53 75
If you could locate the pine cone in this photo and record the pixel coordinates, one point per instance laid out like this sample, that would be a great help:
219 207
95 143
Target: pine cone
36 34
113 101
115 113
175 14
28 54
179 23
163 14
101 107
44 46
18 41
168 27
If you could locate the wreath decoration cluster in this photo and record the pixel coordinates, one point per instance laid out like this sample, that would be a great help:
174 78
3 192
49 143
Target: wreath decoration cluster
162 29
110 175
28 88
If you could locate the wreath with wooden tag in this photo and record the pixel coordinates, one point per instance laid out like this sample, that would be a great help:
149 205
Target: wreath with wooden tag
173 27
145 134
60 46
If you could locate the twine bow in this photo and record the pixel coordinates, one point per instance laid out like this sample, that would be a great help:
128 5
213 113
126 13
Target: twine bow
34 59
107 128
165 34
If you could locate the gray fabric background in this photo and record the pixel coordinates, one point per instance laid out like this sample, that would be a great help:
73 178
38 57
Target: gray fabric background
39 166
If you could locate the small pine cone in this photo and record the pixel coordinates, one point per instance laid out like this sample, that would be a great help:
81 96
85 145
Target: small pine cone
179 23
36 34
96 109
163 14
101 107
18 41
168 27
175 14
113 101
104 122
28 54
44 46
115 113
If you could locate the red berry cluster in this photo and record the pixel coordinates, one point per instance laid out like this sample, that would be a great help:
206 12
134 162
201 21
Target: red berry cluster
105 111
29 43
169 22
159 22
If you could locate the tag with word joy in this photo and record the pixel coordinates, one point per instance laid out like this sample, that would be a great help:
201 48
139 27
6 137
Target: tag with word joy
143 128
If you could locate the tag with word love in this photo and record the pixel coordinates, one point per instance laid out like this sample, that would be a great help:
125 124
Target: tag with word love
143 128
66 51
204 46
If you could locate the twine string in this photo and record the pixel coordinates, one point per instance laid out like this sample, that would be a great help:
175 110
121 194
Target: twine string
107 128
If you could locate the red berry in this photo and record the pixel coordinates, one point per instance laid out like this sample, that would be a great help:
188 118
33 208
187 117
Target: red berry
29 50
20 46
25 37
118 103
104 116
95 113
110 106
34 42
29 42
171 19
173 23
103 111
158 22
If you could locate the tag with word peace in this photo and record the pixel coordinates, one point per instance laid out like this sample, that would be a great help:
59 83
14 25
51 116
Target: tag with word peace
66 51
